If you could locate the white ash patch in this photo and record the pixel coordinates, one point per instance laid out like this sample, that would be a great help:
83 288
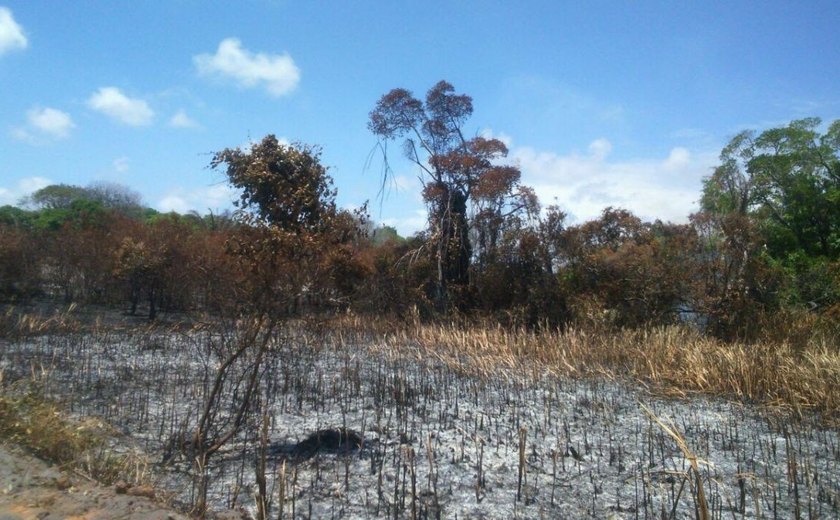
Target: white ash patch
438 442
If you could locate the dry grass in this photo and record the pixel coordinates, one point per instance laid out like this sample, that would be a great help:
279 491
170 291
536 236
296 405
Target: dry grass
38 425
674 360
20 322
803 375
41 426
697 477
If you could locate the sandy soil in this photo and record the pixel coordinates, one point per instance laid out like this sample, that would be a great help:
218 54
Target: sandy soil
32 489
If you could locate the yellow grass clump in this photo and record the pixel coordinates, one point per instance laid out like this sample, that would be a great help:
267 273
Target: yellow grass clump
674 359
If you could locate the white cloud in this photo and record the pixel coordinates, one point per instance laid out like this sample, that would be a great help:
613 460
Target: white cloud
216 197
488 133
600 148
173 203
276 72
120 164
678 158
113 103
29 184
43 124
12 36
50 121
182 120
583 185
406 183
23 187
22 134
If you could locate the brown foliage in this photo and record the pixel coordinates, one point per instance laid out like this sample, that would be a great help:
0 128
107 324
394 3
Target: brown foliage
636 273
19 265
282 185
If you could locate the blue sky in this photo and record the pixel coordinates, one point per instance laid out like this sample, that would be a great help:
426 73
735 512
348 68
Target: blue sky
601 103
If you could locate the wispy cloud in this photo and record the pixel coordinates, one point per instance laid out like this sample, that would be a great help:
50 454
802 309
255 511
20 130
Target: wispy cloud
553 99
277 73
116 105
12 36
181 120
120 164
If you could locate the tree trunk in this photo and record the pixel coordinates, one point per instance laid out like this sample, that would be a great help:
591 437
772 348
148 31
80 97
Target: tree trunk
152 304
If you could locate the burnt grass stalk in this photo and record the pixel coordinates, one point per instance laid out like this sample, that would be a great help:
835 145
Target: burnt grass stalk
348 422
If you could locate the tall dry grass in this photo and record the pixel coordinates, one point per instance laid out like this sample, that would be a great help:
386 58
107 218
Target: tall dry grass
18 322
674 360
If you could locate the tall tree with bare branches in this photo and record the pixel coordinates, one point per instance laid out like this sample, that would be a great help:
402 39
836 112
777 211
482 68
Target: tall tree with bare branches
457 173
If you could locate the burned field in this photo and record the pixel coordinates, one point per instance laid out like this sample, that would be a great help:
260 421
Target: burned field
362 426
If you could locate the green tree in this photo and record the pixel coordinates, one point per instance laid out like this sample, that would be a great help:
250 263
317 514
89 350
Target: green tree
55 196
108 195
384 234
16 217
79 213
786 180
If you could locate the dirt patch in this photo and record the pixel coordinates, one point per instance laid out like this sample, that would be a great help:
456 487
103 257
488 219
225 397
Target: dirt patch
32 489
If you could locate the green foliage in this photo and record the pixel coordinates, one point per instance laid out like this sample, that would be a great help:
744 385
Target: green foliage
108 195
79 213
385 234
766 242
786 180
16 217
56 196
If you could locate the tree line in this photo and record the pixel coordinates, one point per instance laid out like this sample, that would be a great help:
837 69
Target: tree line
764 244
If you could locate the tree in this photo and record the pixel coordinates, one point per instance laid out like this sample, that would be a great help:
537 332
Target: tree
626 272
16 217
79 213
287 208
55 196
141 265
116 197
786 180
456 173
20 264
735 284
384 234
282 186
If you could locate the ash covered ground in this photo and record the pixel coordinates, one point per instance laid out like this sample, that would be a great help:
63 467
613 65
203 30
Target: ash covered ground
436 441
